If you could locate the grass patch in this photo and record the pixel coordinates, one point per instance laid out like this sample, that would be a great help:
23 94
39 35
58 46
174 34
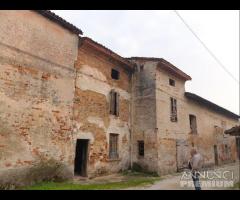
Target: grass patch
139 173
236 186
104 186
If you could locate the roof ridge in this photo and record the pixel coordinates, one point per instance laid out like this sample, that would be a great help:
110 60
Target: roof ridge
168 66
143 57
52 16
210 104
112 53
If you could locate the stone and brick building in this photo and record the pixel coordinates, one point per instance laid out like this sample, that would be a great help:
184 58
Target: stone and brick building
70 106
176 121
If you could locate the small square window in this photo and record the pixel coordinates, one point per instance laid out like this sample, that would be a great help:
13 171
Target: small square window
171 82
115 74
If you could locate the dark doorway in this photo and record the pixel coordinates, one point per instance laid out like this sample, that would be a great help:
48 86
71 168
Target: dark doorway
81 157
238 146
215 154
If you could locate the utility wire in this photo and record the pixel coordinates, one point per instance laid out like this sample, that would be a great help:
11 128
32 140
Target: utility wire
208 50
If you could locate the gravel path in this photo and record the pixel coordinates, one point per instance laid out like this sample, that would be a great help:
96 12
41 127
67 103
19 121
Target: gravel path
172 182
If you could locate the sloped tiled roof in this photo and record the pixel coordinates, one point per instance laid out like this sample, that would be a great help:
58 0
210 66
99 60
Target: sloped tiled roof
162 63
106 51
211 105
62 22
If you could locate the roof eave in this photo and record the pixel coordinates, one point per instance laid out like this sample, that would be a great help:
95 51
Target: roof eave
172 69
106 51
211 105
167 66
57 19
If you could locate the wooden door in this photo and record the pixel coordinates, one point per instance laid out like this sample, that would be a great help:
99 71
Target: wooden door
183 154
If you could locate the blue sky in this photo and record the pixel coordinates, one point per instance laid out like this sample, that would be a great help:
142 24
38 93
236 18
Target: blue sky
162 34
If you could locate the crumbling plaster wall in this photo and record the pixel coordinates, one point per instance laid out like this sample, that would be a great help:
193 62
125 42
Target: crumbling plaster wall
36 98
144 115
171 131
211 127
151 122
92 119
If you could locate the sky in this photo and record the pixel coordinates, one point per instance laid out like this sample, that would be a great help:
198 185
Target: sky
162 34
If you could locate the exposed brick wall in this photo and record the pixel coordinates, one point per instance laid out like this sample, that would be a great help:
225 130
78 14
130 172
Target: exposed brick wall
53 92
151 87
92 110
206 138
36 98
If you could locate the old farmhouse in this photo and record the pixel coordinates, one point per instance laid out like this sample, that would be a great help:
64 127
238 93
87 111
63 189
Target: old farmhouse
70 106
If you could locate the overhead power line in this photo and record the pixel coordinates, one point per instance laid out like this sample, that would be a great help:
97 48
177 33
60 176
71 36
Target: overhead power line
205 46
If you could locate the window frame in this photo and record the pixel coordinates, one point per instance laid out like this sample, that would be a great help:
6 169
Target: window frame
141 148
113 146
115 72
114 103
173 109
192 122
172 82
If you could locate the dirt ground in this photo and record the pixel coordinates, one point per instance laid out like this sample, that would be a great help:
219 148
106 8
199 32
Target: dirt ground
168 182
172 182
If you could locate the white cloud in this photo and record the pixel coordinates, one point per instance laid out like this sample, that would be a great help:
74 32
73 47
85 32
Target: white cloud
162 34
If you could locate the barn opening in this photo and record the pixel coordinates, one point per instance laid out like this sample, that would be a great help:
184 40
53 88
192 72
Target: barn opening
81 157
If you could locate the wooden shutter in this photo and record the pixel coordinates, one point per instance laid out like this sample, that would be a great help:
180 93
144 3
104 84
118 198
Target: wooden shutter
117 103
194 124
112 102
175 106
191 122
173 109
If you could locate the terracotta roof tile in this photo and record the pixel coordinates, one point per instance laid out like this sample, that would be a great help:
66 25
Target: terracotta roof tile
52 16
211 105
106 51
165 65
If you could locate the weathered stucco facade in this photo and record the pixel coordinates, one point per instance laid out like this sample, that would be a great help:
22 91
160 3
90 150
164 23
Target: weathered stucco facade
36 97
167 143
56 95
92 118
